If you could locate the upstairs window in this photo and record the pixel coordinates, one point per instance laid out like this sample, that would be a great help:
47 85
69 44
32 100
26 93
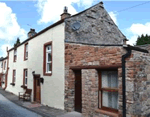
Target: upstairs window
47 58
14 76
15 55
26 52
108 90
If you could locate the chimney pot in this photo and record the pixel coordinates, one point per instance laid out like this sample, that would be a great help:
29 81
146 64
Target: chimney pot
65 14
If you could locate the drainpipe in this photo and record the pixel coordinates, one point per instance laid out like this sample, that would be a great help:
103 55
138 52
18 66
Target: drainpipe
128 49
124 79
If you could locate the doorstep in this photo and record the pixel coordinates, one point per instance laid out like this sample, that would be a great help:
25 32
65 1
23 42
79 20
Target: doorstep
71 114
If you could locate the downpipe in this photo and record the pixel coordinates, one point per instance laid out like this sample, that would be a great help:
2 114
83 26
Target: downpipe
124 79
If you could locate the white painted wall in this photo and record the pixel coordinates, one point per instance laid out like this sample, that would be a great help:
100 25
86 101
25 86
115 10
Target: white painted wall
0 66
3 71
52 90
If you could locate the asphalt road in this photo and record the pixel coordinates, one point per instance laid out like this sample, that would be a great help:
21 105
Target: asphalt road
9 109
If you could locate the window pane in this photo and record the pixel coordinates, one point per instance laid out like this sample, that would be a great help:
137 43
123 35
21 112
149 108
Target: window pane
26 54
4 78
26 73
110 99
27 48
26 80
48 67
110 79
49 57
48 48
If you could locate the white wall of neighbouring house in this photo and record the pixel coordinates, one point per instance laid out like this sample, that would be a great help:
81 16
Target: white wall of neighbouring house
52 90
0 66
3 71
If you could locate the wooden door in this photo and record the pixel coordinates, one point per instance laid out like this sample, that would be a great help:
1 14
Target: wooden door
37 89
78 91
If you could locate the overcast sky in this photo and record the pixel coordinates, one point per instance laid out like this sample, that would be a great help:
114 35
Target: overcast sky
18 16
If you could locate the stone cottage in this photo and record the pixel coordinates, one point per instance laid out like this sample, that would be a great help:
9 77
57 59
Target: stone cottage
82 63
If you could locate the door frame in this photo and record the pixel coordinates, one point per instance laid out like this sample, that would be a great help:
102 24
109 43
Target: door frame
36 76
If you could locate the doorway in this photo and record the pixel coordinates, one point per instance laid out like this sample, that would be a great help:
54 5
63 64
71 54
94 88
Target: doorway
37 89
78 91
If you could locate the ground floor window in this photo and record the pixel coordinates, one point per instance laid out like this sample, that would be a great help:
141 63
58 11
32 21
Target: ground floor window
14 76
108 90
4 78
25 77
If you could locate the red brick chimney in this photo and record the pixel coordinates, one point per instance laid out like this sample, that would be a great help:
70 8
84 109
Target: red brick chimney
65 14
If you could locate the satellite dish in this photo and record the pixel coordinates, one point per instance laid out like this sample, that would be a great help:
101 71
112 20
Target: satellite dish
76 26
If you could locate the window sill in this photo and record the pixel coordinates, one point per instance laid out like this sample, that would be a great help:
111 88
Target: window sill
25 59
23 86
113 114
13 84
47 74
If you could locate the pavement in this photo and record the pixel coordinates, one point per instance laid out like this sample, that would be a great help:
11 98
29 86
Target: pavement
10 109
40 109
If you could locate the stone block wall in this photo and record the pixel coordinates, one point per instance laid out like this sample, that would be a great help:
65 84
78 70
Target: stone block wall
137 78
138 83
89 92
96 27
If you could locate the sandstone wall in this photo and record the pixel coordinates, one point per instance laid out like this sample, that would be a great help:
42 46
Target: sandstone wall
137 78
79 55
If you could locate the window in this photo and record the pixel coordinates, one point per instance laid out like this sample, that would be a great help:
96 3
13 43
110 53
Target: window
4 65
4 78
47 65
25 82
15 55
14 76
26 52
108 90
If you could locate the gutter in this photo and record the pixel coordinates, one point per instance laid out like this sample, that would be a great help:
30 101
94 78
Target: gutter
129 51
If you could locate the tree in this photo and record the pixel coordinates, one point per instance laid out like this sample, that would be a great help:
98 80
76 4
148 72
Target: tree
143 40
17 42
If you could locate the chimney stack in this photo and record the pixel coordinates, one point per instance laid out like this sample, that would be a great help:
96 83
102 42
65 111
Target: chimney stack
65 14
31 33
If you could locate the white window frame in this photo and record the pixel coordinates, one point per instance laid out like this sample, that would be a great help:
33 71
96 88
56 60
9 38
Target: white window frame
15 54
48 62
26 77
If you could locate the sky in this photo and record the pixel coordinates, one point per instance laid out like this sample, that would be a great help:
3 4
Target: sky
18 16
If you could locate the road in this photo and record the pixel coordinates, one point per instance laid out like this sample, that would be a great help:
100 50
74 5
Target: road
9 109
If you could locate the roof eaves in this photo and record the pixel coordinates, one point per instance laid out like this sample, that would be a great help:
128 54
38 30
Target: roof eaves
42 31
